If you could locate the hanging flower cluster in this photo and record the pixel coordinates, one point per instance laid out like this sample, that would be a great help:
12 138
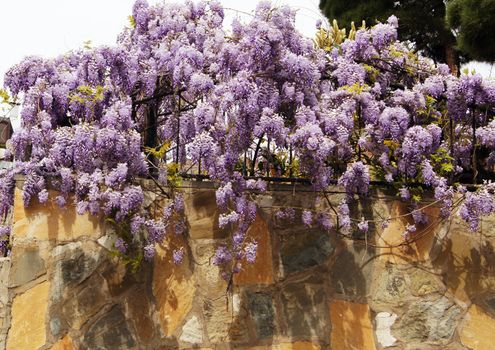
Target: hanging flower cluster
177 90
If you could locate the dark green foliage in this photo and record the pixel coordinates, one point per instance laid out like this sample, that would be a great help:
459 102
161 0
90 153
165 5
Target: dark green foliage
420 21
474 24
346 11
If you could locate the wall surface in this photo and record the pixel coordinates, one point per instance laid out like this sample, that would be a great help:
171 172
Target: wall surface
308 290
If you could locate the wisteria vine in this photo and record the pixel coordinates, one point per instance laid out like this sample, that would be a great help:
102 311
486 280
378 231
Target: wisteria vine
179 92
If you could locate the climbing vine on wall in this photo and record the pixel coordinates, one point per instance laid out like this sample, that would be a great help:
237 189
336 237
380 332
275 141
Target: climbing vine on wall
180 97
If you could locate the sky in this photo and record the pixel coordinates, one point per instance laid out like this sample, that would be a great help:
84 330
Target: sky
52 27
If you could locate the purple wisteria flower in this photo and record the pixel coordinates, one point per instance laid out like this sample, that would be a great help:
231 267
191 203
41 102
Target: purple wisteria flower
259 100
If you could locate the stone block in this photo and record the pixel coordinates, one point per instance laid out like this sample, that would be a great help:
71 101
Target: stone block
220 322
432 321
351 326
208 276
478 329
384 321
28 318
423 282
82 303
139 314
76 261
352 272
173 285
467 265
261 271
305 311
392 237
202 214
27 265
390 286
110 332
63 344
304 249
192 331
297 345
50 222
262 313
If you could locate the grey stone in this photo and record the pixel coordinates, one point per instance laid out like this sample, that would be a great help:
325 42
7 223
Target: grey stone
4 282
305 249
82 303
391 287
74 263
110 332
261 311
107 241
490 302
352 272
192 331
305 310
27 265
432 321
76 269
55 326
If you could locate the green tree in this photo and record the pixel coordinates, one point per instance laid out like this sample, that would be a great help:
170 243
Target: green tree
473 22
420 21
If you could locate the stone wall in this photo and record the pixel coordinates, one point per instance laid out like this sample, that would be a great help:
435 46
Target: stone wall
61 289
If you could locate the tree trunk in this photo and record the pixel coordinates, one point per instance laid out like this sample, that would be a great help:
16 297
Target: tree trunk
150 133
452 59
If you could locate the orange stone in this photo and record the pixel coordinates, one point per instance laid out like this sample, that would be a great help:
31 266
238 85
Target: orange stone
261 271
173 285
28 323
478 330
396 249
50 222
63 344
467 269
351 326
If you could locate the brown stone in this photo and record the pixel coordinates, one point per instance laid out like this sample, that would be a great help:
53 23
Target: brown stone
220 322
202 214
261 272
478 330
28 325
81 303
63 344
138 309
173 285
50 222
111 331
298 345
351 326
423 282
467 263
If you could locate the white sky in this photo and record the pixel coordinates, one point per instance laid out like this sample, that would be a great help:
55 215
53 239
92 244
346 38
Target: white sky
51 27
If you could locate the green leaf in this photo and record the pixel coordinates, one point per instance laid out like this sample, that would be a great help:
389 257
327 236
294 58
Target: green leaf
416 198
5 96
132 21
